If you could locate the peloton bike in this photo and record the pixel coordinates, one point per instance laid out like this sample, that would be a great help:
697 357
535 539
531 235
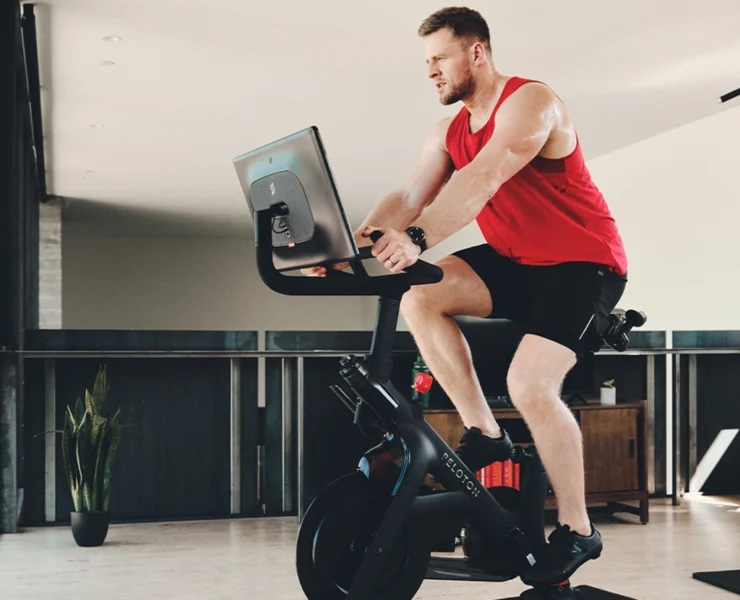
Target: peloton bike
370 534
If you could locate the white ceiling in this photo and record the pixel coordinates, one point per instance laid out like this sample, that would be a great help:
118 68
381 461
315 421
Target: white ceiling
196 83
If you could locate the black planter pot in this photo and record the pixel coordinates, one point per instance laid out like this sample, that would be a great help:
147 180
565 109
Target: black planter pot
90 528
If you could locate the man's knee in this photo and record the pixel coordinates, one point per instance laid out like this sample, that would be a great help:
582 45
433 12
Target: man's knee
528 389
537 372
423 299
461 292
419 300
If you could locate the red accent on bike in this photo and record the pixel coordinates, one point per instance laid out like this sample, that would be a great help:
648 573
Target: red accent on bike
423 382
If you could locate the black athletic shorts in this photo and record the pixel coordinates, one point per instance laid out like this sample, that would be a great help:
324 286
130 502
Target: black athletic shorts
559 302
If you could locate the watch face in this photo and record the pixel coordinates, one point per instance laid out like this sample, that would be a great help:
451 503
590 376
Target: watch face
417 236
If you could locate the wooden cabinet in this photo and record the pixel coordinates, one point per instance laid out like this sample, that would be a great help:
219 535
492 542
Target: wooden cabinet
610 450
614 450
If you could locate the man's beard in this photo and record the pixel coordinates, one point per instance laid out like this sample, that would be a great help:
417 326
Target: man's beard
460 91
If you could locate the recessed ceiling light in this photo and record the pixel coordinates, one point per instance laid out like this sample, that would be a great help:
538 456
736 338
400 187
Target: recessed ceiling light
112 38
97 125
107 63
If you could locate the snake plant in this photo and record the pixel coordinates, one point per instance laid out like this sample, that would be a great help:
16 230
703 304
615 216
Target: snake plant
89 445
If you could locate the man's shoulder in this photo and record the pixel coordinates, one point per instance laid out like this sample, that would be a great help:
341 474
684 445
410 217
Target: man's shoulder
527 96
441 129
531 88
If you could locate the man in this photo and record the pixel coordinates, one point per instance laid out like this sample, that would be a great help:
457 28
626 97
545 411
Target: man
553 260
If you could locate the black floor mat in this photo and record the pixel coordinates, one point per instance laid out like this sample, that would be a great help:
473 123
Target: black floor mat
592 593
727 580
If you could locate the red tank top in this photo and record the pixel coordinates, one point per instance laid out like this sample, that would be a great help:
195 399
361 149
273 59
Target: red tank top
550 212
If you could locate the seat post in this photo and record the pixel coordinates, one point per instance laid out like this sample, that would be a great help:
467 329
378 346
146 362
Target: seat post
381 350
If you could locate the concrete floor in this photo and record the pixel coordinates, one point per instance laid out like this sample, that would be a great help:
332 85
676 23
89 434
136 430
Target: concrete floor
246 559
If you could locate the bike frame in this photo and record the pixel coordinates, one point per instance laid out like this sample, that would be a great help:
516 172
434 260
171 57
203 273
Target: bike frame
425 452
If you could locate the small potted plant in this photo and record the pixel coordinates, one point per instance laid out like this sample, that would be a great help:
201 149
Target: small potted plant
89 444
608 392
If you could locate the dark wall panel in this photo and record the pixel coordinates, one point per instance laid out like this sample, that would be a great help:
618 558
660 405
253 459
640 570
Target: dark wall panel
718 408
9 49
35 440
273 467
629 374
250 505
661 437
173 460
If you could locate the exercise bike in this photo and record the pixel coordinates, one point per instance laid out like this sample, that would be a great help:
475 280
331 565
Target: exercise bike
370 534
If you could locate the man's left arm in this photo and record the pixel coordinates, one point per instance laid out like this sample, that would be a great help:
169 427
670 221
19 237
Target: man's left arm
523 126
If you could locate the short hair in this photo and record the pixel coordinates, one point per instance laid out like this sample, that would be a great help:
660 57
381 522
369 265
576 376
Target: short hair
464 22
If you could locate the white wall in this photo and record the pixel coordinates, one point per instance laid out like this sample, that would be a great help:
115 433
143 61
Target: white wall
676 198
195 284
185 283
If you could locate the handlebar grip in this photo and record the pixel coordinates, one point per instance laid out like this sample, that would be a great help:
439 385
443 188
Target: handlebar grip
635 318
424 272
420 272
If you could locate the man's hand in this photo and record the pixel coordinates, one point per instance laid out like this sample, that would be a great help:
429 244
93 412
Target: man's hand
395 250
320 271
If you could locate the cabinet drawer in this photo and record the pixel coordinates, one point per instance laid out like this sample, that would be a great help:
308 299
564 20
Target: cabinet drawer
610 449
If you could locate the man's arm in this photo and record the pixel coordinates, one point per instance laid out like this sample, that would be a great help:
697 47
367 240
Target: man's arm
524 124
404 205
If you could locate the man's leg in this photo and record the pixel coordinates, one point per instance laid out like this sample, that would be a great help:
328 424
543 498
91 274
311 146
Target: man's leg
535 375
428 310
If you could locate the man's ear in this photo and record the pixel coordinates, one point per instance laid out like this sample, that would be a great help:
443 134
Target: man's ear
478 52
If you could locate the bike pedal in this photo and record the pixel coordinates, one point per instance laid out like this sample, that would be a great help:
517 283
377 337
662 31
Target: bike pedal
447 544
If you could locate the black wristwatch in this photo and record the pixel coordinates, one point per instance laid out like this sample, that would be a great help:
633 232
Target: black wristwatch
418 237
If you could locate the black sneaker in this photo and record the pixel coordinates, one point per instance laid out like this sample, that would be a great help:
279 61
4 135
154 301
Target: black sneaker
478 451
564 553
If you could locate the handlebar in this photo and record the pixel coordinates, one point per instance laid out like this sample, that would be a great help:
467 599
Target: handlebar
336 283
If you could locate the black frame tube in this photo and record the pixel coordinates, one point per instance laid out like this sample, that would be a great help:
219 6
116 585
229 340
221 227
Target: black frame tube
384 335
730 96
30 47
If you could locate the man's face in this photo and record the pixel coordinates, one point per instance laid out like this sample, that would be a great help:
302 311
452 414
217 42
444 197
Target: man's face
448 63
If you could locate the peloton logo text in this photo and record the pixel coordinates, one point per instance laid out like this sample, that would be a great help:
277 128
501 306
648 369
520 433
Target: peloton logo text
466 481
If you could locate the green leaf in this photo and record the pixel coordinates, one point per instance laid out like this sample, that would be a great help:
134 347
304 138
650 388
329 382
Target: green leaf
99 424
79 410
89 403
115 429
102 451
100 389
72 418
87 497
80 422
68 453
86 458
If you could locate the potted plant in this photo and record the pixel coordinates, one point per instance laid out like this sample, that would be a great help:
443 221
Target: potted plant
89 443
608 392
